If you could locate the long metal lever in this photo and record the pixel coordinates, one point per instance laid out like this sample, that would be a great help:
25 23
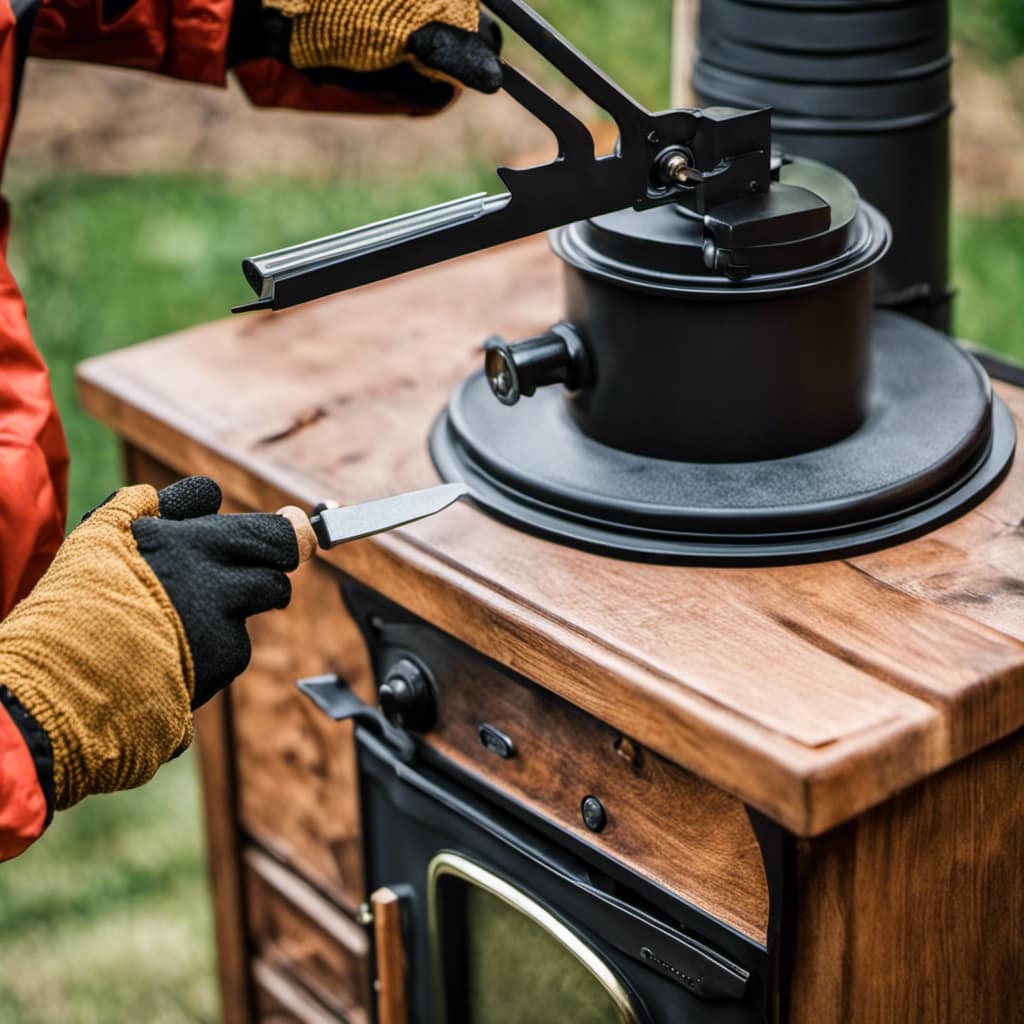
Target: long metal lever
575 186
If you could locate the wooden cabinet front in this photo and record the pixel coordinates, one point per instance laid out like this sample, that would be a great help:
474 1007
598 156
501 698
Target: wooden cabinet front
658 819
297 792
298 933
909 911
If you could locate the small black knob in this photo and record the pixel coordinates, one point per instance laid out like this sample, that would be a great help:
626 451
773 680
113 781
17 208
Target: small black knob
516 371
407 697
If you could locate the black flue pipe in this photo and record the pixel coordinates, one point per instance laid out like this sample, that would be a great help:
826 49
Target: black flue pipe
865 87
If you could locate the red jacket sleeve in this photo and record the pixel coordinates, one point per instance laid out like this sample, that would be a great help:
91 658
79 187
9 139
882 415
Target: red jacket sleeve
187 39
33 507
33 455
25 759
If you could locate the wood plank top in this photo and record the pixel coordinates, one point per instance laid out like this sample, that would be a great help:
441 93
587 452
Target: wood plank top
811 692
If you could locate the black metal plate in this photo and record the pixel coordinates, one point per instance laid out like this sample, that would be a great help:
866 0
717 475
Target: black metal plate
935 443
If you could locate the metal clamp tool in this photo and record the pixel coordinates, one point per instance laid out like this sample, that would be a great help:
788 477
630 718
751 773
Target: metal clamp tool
701 159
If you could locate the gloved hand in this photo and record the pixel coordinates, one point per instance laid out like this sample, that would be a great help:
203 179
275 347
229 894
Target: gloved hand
419 49
139 620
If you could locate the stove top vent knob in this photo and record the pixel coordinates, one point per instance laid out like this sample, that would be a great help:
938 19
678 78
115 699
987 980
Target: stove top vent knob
408 697
516 371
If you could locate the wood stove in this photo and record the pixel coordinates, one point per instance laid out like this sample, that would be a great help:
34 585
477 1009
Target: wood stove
506 916
588 788
869 709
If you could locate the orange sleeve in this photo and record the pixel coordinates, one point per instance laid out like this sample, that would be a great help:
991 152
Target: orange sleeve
33 506
188 39
24 812
180 38
33 455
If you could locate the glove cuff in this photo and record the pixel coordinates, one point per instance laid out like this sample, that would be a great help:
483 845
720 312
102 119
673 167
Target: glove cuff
365 35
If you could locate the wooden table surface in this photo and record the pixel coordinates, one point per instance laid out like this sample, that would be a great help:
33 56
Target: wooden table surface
811 692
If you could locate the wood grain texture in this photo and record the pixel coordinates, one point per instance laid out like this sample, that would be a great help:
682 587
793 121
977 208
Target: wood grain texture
812 693
297 789
304 937
215 742
279 1000
914 912
663 822
392 983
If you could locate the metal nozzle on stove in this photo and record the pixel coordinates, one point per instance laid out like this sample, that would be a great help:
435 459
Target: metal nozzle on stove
516 371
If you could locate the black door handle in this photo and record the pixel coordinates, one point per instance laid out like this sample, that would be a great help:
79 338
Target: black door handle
336 699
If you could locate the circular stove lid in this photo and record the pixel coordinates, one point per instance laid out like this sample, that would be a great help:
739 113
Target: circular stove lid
935 441
810 229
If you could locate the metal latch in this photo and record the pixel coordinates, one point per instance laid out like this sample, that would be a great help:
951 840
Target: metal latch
336 699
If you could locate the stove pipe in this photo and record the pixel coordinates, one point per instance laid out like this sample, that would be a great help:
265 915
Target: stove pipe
864 87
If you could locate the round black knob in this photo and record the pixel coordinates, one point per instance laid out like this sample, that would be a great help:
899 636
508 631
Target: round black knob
407 698
516 371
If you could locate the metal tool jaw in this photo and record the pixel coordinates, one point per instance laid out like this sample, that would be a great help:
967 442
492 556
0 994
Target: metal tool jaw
703 160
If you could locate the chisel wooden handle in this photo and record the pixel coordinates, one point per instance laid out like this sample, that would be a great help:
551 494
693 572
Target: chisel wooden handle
304 534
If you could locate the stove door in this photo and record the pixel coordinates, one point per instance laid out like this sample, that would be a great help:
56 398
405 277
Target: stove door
506 920
496 950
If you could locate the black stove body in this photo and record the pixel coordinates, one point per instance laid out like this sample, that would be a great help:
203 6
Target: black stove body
721 388
505 915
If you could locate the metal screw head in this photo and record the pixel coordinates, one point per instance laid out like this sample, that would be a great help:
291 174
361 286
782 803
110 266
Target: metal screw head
677 167
503 382
594 815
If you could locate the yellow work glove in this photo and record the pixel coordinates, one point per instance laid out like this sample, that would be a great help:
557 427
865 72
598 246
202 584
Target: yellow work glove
419 49
140 618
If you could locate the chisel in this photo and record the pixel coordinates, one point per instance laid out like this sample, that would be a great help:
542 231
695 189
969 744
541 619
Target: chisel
333 526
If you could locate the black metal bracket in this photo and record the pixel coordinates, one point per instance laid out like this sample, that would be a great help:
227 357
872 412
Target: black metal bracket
778 854
701 159
336 699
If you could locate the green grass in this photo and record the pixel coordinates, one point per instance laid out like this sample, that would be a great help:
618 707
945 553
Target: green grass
993 29
631 41
108 917
988 271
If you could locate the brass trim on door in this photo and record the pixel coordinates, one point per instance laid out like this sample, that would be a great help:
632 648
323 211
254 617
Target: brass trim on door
455 866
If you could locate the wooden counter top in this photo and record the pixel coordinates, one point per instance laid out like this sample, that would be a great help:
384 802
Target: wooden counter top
811 692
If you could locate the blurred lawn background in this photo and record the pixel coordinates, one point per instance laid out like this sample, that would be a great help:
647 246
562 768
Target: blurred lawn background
108 918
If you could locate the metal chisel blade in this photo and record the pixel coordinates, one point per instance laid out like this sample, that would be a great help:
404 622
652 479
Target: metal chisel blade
353 522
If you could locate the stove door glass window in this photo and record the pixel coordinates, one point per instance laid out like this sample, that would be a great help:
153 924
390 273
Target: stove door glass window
502 958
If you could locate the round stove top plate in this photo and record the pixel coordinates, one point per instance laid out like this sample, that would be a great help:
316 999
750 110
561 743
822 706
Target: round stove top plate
935 442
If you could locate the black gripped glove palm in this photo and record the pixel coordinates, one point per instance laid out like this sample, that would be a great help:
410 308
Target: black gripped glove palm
418 50
139 620
217 571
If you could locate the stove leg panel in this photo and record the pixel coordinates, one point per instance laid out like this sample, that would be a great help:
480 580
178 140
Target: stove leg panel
915 911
